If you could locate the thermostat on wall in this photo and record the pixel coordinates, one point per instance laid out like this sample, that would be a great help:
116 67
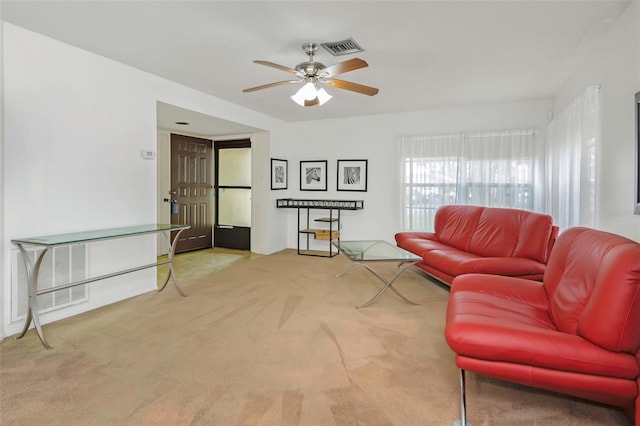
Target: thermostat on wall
148 154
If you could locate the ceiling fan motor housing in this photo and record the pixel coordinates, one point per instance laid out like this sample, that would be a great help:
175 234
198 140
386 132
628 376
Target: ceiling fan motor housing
310 68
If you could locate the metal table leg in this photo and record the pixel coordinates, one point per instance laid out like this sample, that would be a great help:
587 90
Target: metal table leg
172 272
346 270
388 284
32 311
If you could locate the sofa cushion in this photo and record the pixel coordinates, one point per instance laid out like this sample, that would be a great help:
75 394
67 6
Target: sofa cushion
454 225
504 232
448 259
457 262
592 281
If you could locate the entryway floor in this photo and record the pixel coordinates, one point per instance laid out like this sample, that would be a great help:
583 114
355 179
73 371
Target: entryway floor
197 263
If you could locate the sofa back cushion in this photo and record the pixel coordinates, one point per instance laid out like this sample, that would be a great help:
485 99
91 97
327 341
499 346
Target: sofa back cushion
504 232
495 232
454 225
592 281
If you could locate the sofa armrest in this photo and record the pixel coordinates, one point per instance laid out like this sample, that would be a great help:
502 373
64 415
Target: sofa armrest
403 236
552 240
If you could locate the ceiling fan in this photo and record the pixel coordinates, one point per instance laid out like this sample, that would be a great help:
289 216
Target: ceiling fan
314 74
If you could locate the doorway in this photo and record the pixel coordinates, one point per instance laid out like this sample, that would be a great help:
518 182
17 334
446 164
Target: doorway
233 194
191 194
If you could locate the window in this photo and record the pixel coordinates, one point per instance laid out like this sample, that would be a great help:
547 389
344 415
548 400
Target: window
506 183
494 169
429 183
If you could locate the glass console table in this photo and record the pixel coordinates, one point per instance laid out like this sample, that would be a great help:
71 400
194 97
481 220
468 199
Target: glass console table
364 252
49 241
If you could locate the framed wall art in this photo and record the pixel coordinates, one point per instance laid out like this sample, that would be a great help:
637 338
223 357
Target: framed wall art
279 173
313 175
352 175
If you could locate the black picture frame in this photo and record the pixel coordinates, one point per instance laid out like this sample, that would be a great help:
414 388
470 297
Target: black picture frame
279 174
313 175
352 175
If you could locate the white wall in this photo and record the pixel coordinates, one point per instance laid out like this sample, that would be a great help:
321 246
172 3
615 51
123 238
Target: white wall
376 138
615 65
75 123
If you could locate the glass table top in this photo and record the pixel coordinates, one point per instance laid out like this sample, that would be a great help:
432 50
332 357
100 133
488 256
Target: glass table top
374 250
101 234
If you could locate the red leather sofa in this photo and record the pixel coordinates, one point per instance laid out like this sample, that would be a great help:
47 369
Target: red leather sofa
488 240
577 332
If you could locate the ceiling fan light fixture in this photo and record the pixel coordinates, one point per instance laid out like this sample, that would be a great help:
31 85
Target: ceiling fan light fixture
306 92
323 96
310 92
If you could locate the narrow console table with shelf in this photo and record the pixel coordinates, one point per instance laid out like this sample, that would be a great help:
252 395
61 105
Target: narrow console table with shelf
328 228
51 241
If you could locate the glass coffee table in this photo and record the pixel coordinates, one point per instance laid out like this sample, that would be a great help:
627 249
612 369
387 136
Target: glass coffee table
366 253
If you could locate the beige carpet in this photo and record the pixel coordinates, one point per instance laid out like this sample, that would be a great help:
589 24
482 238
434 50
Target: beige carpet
272 341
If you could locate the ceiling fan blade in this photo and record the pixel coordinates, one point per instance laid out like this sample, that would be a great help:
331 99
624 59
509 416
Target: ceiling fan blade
342 67
280 67
267 86
354 87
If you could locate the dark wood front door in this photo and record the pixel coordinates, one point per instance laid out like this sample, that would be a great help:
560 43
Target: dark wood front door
192 191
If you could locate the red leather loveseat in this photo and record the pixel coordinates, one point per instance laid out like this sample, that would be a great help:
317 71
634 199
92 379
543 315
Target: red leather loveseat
576 333
488 240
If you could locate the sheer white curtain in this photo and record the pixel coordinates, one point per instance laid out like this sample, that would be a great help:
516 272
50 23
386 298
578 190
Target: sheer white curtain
501 168
430 175
495 168
572 143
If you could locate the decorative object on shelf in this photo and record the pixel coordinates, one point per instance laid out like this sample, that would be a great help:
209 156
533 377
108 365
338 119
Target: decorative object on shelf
352 175
323 234
279 173
313 175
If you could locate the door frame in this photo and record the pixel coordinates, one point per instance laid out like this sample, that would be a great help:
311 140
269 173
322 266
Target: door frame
163 209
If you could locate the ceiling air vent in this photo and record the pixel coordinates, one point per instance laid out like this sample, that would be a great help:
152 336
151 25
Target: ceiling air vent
344 47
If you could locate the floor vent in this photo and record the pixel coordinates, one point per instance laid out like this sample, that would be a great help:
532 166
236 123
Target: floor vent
344 47
60 266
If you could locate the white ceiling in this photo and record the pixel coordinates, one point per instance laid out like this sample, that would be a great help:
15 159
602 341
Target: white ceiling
421 54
